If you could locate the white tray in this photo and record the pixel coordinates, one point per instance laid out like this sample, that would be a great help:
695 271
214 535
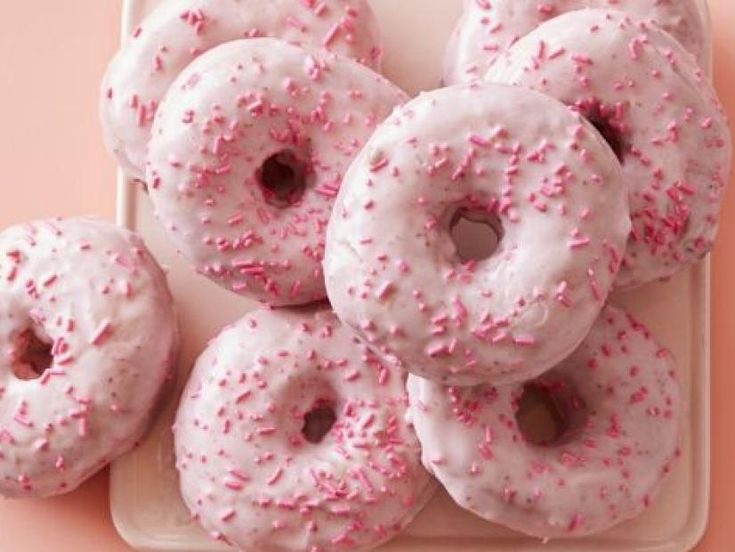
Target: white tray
144 499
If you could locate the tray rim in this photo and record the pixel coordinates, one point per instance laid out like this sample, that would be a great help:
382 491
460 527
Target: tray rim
689 537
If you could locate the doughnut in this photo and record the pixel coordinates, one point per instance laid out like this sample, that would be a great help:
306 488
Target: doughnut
544 197
635 83
618 407
247 155
488 28
88 338
292 436
174 34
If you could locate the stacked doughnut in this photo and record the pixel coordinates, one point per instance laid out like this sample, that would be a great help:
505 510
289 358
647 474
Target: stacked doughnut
592 156
470 237
242 119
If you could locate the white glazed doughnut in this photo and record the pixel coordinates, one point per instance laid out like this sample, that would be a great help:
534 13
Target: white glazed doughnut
88 337
292 436
619 400
247 155
537 174
637 86
178 31
488 28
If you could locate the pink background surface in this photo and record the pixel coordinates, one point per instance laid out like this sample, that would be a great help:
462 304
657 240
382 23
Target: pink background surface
52 56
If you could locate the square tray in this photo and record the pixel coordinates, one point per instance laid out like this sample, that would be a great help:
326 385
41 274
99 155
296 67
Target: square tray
144 499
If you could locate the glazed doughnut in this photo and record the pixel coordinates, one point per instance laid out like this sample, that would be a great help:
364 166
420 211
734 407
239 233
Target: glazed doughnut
664 121
292 436
247 155
487 29
619 403
88 338
544 185
178 31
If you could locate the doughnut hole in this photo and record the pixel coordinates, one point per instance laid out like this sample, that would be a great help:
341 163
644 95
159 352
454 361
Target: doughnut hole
31 355
282 179
609 123
549 414
476 234
318 421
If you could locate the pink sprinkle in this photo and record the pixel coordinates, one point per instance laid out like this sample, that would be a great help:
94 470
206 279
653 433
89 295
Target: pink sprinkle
575 522
239 474
142 115
524 340
479 140
367 422
295 23
64 360
385 290
83 431
579 242
242 396
5 435
275 477
634 48
101 333
594 285
352 376
383 376
233 485
556 53
331 35
378 165
22 421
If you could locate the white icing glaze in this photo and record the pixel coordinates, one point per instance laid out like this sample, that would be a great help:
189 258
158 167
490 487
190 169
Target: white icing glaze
96 296
248 473
671 131
229 112
393 272
178 31
489 27
619 392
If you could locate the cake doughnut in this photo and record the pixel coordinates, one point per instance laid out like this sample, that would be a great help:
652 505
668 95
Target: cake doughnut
635 83
247 155
178 31
545 187
619 404
292 436
487 29
88 337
